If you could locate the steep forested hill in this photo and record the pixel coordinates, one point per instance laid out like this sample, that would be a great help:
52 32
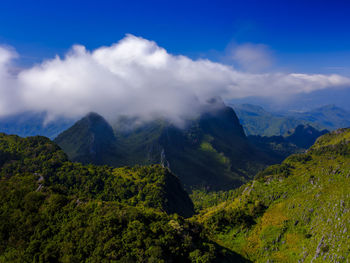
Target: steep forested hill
52 210
298 211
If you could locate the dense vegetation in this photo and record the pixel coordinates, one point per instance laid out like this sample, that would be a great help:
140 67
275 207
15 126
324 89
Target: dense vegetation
298 211
52 210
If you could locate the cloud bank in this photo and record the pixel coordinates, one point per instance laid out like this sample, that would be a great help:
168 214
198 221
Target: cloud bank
136 77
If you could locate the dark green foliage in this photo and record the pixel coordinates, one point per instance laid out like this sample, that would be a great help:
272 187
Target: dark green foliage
52 210
282 170
203 199
41 159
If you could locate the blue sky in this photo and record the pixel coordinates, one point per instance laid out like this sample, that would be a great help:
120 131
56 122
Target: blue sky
301 36
276 51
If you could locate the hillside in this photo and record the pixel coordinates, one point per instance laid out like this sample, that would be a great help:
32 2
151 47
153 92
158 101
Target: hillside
280 147
304 136
147 186
297 211
210 151
57 211
53 210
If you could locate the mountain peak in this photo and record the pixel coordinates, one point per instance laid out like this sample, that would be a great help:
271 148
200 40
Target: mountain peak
88 140
305 135
93 117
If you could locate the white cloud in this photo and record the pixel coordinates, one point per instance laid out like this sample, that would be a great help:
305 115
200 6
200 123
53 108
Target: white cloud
8 83
252 57
137 77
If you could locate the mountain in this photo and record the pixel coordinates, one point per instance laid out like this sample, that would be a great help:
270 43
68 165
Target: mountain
297 211
257 121
90 140
31 124
151 186
330 117
278 147
211 150
53 210
304 136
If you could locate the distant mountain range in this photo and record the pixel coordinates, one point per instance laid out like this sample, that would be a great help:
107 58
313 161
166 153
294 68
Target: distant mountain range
31 124
329 117
257 121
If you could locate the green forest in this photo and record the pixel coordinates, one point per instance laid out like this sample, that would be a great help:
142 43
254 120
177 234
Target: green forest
55 210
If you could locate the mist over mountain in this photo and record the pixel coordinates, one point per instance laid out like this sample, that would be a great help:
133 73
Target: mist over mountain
209 151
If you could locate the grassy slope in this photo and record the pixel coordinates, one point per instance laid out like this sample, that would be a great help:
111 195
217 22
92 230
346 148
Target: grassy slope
299 210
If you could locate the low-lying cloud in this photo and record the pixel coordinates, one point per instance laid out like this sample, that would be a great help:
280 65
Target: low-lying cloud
137 77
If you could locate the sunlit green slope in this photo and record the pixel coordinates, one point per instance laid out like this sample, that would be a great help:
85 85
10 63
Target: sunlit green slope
298 211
